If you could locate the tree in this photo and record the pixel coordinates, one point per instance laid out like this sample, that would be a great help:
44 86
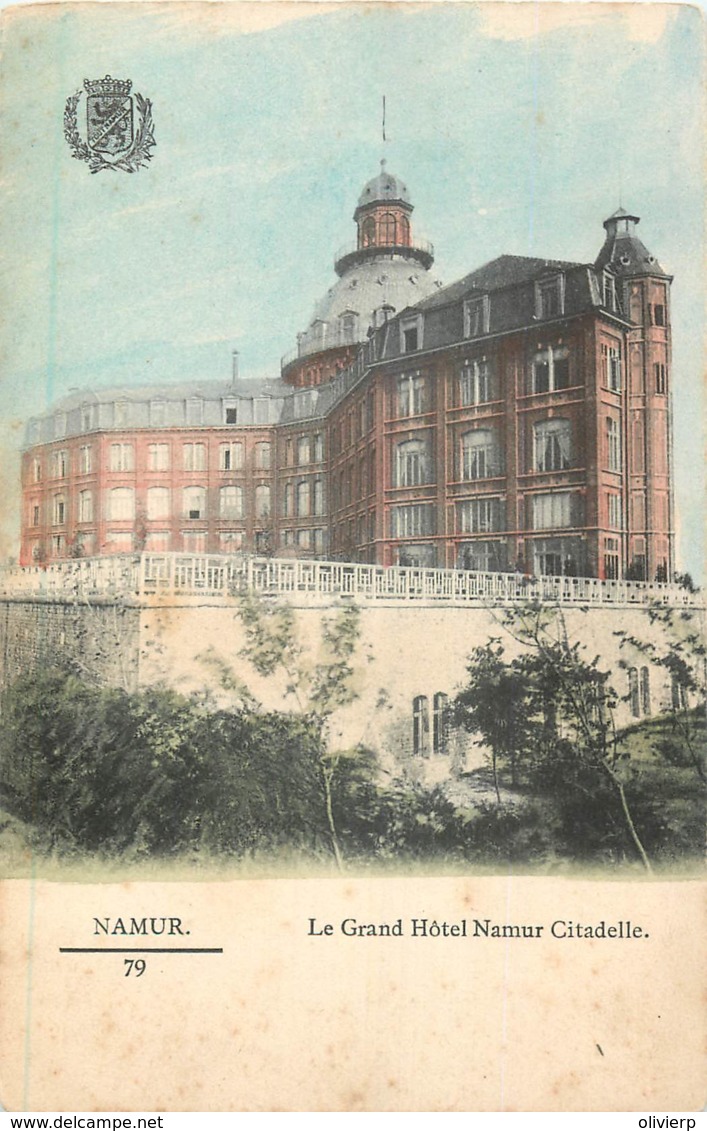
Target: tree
495 704
557 708
318 690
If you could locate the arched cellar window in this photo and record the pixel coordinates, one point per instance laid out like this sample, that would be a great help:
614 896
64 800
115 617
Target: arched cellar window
440 722
633 693
645 691
420 726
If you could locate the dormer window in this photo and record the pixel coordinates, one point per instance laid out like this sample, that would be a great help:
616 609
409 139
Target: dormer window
230 410
411 333
347 327
195 410
60 424
550 297
476 316
610 296
86 417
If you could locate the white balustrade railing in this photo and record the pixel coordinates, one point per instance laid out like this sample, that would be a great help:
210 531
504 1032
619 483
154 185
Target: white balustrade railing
137 576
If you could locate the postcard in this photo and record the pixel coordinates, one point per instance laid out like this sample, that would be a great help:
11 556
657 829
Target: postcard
352 667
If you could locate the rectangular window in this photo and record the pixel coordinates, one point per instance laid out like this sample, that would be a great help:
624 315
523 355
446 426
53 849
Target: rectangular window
610 295
230 457
550 297
85 506
231 502
60 424
230 541
660 379
158 457
611 357
550 370
157 542
60 464
37 470
658 314
475 382
85 460
613 444
194 541
552 440
476 317
411 391
552 510
194 457
615 513
121 457
411 334
318 447
411 522
86 417
230 410
611 559
479 516
35 514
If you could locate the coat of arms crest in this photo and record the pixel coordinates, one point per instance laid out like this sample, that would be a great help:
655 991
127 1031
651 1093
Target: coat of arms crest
118 132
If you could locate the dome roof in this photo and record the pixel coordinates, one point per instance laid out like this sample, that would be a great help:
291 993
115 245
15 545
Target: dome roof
386 186
381 281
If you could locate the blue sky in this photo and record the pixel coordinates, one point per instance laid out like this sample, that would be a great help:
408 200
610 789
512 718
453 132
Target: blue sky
516 127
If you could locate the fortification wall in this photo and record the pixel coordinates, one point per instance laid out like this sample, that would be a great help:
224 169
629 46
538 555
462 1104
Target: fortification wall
99 640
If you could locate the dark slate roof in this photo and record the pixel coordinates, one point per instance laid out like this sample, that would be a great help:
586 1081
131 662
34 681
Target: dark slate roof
625 254
175 390
506 271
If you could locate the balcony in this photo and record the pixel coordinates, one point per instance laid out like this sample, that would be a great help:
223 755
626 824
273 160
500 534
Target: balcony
137 578
420 250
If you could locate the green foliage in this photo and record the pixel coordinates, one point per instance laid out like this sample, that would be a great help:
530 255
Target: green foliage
155 772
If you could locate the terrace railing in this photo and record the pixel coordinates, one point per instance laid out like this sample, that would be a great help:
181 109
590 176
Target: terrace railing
138 576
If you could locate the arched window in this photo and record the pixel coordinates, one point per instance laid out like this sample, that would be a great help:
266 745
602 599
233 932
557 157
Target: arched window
303 497
318 497
121 503
439 722
553 445
262 456
478 454
287 500
368 232
387 228
633 693
420 726
157 502
303 450
412 463
194 502
231 502
404 231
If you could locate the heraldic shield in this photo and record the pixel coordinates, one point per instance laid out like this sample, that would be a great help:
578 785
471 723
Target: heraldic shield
109 115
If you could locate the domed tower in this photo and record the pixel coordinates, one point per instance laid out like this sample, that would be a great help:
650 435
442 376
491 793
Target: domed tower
636 279
383 272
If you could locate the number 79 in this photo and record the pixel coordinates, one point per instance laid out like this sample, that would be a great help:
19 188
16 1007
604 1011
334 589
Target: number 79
135 966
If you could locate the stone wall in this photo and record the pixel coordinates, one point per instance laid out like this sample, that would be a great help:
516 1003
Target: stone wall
99 640
405 653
